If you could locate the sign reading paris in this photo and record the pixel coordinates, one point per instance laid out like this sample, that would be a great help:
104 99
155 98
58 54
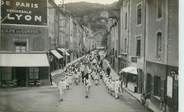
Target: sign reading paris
28 12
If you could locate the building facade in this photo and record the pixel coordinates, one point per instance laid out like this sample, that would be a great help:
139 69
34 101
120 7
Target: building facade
113 46
162 52
124 33
149 43
136 50
24 45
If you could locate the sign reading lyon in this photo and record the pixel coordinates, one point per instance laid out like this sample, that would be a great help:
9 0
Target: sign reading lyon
28 12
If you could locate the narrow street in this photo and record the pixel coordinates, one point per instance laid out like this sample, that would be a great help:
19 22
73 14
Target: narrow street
130 46
45 99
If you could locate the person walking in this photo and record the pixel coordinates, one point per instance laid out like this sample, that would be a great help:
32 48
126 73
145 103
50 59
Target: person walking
87 83
108 71
61 87
96 79
117 88
76 77
86 70
82 72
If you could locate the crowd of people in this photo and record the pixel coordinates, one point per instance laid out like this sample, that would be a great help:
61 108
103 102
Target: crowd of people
87 70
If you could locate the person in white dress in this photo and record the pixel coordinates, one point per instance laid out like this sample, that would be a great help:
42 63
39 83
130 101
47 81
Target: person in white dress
117 88
61 87
67 82
112 85
96 79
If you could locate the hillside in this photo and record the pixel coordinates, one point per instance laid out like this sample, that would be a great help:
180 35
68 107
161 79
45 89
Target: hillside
83 8
89 14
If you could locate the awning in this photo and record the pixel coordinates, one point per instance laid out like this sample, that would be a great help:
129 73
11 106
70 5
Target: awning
56 54
24 60
100 48
130 69
64 51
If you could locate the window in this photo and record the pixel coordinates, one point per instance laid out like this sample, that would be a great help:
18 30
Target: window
157 85
126 21
138 49
149 80
43 73
20 47
113 52
126 45
159 45
159 8
34 73
139 14
116 53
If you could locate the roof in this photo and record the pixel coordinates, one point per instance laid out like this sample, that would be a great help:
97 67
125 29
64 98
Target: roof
64 51
130 69
56 54
24 60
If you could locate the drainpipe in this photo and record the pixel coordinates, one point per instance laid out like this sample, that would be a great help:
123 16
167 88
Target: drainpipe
165 84
144 66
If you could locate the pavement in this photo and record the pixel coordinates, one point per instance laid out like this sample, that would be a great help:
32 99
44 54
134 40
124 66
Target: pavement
45 99
149 105
113 74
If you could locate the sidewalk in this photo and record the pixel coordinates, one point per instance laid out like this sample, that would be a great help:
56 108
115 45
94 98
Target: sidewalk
113 73
149 105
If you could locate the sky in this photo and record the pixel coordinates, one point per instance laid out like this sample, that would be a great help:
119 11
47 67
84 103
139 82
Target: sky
91 1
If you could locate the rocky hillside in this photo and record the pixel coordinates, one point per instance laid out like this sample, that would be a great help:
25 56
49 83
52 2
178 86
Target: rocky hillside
89 14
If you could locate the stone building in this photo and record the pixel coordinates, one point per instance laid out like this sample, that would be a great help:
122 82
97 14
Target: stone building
149 43
24 46
162 52
113 46
124 33
136 51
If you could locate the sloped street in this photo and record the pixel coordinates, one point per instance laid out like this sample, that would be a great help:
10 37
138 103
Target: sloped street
45 99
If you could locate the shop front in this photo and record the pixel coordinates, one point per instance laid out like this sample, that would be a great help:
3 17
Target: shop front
56 60
155 87
66 55
20 70
172 89
130 78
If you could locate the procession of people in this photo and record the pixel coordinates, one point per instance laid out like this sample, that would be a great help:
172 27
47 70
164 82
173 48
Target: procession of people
88 71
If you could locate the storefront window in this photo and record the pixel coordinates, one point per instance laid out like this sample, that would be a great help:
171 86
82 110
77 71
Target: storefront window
34 73
149 83
6 74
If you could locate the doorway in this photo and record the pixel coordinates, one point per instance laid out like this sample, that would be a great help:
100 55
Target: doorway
21 76
149 84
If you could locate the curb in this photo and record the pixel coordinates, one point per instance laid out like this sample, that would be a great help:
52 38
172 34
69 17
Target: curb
132 95
139 100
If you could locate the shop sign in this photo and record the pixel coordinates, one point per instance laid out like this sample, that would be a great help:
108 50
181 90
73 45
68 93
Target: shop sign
169 86
28 12
20 31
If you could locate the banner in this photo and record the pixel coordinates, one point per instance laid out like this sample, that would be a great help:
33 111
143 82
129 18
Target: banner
28 12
